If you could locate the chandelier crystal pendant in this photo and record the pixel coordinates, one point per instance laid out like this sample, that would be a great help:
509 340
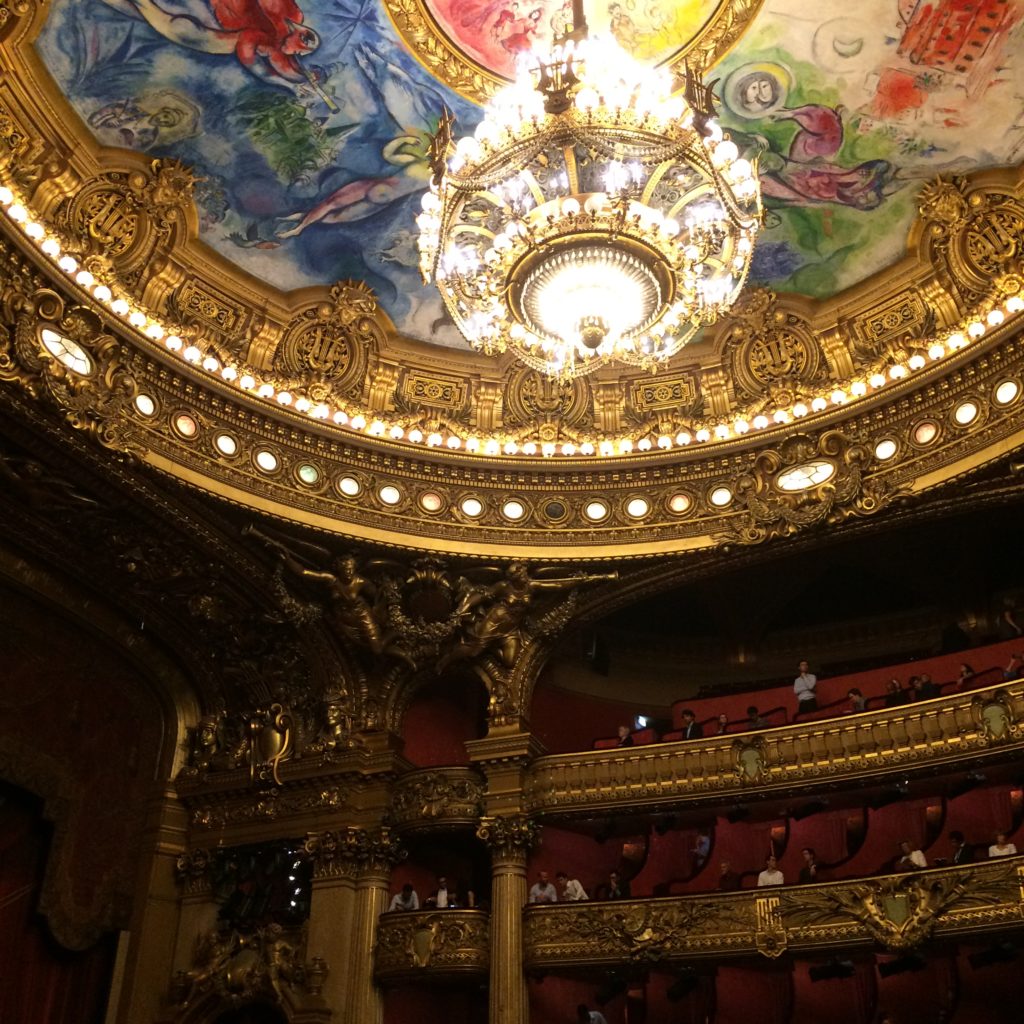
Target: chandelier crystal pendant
594 215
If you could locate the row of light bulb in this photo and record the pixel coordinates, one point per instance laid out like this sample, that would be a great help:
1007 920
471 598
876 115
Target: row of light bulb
250 382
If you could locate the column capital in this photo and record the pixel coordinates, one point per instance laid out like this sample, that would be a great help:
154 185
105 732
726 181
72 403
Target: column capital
509 836
193 871
352 852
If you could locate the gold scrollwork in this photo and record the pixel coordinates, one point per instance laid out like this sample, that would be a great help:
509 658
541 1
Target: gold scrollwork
443 943
424 799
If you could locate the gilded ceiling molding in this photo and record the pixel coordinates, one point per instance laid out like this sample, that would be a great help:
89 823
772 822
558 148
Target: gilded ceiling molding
896 913
963 728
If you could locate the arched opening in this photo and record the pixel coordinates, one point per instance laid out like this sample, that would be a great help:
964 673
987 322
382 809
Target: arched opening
441 717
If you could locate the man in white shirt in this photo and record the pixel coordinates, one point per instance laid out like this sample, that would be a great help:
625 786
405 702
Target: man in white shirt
911 858
1002 848
804 688
442 898
542 890
771 874
406 899
585 1016
572 891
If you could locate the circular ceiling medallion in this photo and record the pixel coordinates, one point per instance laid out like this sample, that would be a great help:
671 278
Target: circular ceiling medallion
473 47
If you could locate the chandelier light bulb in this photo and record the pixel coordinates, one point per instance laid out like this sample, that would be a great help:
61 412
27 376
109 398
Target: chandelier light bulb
592 216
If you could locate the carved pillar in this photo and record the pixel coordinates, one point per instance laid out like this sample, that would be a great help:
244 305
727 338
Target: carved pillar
510 840
376 855
332 913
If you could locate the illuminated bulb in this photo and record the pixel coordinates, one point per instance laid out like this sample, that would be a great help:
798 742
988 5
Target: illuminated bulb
137 319
858 389
741 426
664 441
819 404
264 390
510 448
34 230
606 448
120 307
155 331
800 410
454 443
955 341
86 280
357 422
683 438
192 354
415 435
433 440
838 396
102 293
246 382
644 444
51 247
396 433
284 398
916 361
1014 304
547 449
68 264
781 416
6 196
877 380
304 405
703 434
760 422
721 431
937 350
230 373
995 318
211 364
18 212
376 428
976 329
472 444
340 417
586 448
568 448
491 447
898 372
529 448
173 342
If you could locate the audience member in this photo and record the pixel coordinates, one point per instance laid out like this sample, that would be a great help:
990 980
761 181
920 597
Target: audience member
442 896
1008 625
926 689
586 1016
1012 670
966 675
618 888
771 874
572 891
913 690
754 719
723 724
406 899
692 729
1001 847
910 858
542 891
728 880
804 686
894 694
858 702
625 740
701 849
809 870
962 853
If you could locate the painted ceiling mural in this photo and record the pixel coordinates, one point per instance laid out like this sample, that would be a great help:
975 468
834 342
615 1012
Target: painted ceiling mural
308 120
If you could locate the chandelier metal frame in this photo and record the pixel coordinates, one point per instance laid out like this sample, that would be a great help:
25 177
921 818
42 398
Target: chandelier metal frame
594 215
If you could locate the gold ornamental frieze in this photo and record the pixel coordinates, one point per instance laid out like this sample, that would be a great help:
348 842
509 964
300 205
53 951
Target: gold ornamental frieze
437 798
435 945
966 728
897 913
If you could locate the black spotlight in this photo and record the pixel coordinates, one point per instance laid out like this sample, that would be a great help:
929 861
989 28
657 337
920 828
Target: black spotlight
902 964
833 969
1002 953
684 984
615 985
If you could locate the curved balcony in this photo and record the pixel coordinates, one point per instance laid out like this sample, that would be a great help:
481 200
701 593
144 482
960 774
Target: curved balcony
440 944
436 797
896 912
973 728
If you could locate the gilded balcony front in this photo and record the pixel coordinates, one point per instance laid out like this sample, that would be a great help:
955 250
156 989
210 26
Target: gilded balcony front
895 912
437 797
978 727
438 944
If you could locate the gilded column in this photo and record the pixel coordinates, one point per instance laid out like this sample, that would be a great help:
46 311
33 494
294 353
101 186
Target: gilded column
380 852
336 859
510 839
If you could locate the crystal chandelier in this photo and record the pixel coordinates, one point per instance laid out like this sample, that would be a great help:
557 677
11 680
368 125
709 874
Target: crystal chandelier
594 214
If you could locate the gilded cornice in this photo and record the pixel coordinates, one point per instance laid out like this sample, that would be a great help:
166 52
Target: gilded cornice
129 224
962 729
896 913
438 945
353 852
437 798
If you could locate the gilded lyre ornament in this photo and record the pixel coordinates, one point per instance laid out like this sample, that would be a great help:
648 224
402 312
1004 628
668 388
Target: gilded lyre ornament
271 741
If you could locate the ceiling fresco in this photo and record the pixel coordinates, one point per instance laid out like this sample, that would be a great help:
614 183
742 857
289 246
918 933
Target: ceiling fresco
308 120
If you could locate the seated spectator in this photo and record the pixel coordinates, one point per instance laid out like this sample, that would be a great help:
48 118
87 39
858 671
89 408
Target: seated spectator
723 725
754 719
692 729
858 702
1002 847
926 689
1012 670
700 851
572 891
406 899
966 675
894 694
586 1016
618 889
910 859
771 874
913 690
542 891
442 896
625 740
728 880
805 688
809 870
962 853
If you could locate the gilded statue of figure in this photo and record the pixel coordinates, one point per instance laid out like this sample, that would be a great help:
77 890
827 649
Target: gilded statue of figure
494 615
354 599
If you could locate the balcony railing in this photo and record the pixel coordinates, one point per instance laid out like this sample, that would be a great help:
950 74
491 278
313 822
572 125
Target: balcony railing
436 798
979 726
895 912
435 943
